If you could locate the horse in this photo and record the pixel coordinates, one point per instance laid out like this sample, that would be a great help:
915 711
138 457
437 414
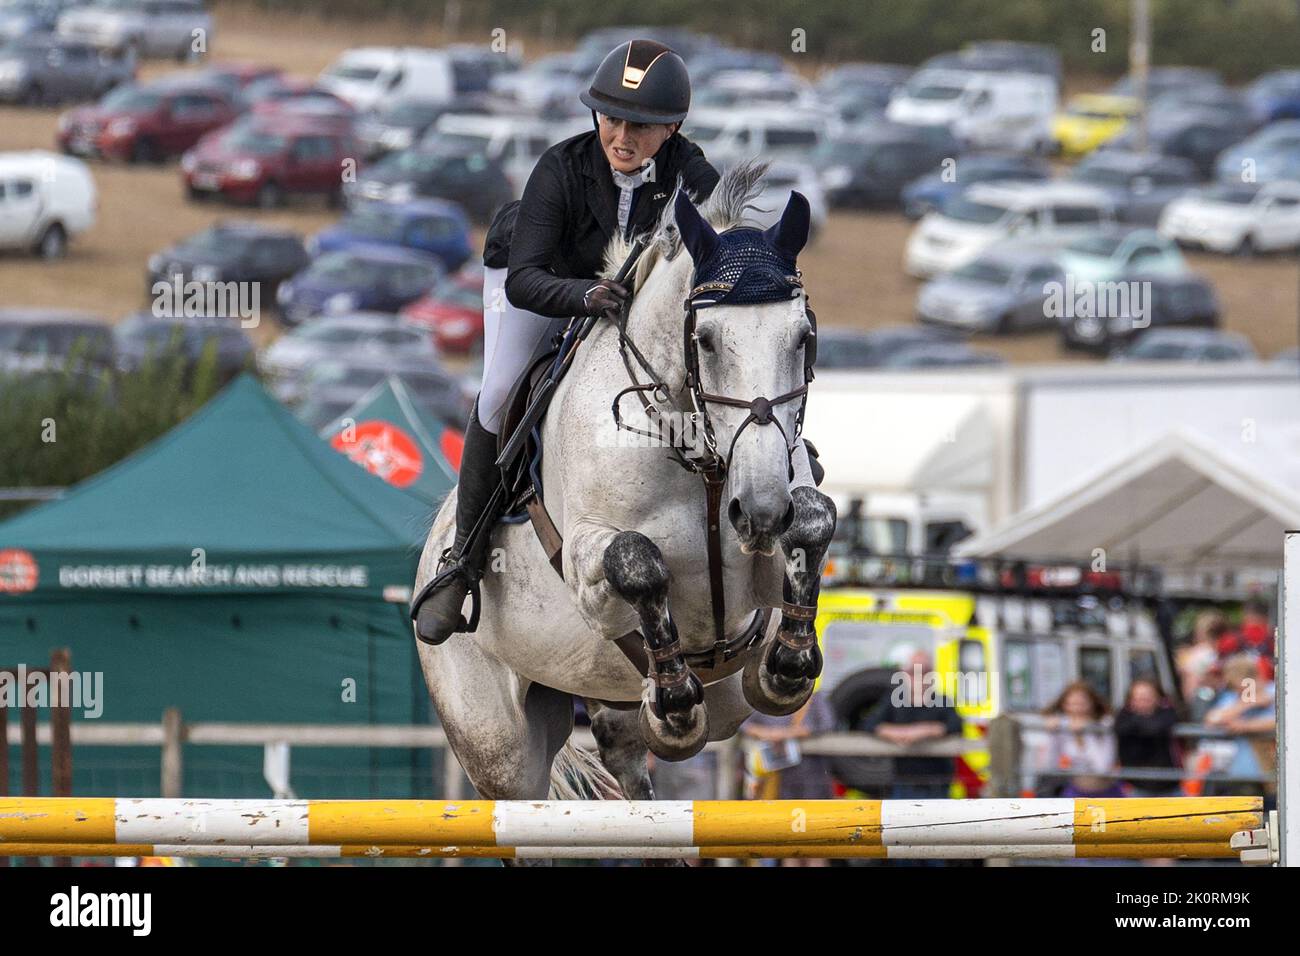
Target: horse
633 522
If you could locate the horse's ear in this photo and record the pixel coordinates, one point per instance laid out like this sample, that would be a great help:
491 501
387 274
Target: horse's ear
697 235
790 235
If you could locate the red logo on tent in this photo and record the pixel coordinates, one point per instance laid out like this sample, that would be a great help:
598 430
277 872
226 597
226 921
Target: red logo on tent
18 571
382 449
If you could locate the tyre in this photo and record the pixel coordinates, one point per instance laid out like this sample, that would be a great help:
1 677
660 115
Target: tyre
270 196
1246 248
53 243
33 95
145 151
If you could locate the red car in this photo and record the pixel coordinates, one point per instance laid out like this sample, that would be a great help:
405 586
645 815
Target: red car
145 123
453 311
263 162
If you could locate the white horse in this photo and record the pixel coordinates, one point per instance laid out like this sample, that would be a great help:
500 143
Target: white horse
635 541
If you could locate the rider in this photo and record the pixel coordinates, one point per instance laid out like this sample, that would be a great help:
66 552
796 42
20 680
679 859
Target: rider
542 257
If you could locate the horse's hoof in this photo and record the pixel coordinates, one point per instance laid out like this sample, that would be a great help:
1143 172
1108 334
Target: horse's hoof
665 742
775 694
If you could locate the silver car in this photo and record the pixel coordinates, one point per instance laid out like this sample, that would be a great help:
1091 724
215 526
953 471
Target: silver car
1006 289
46 69
162 28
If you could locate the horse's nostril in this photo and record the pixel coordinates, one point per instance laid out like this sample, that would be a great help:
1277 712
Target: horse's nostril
736 514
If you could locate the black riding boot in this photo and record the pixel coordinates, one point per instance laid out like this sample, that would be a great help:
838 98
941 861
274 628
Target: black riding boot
439 615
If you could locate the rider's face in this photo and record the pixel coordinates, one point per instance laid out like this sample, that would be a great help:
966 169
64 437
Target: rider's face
627 145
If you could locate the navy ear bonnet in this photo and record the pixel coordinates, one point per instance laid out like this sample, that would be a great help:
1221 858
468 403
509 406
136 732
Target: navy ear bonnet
744 266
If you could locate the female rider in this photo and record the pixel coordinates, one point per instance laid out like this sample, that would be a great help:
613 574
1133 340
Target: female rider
583 191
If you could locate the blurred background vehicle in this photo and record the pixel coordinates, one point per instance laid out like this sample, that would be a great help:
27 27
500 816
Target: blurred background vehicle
27 18
477 183
861 91
929 192
1167 300
41 69
331 382
1004 289
42 340
870 165
45 199
1236 218
432 226
943 355
1108 254
160 28
400 125
983 109
1188 345
232 251
265 162
143 337
1088 120
839 348
453 311
1138 185
375 278
378 336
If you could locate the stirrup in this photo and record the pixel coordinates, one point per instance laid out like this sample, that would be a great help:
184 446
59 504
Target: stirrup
453 566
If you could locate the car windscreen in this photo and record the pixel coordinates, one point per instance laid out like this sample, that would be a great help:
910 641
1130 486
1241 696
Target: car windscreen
260 142
934 92
1099 175
364 74
961 209
412 162
1232 194
1103 246
132 99
374 223
461 143
831 151
411 113
982 270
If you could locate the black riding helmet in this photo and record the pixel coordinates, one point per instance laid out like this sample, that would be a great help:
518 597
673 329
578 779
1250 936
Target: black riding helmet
641 81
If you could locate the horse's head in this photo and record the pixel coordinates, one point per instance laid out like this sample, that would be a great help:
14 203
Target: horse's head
747 335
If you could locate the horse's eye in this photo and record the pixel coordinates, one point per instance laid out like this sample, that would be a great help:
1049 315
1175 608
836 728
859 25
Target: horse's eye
704 339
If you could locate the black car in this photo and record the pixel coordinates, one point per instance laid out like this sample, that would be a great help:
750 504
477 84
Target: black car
850 349
1174 301
1139 185
479 184
1167 79
943 355
42 340
142 337
232 251
402 124
1195 134
870 165
860 91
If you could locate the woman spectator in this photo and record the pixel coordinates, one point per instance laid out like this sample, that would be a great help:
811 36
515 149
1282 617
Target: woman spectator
1079 746
1144 732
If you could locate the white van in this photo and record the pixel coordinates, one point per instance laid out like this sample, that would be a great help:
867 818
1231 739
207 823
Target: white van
728 136
1049 213
44 199
1010 111
365 76
516 143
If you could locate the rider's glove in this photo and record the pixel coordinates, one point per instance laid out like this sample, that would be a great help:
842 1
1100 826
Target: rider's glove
605 298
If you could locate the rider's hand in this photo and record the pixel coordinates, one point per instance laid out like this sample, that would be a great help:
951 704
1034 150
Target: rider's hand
605 298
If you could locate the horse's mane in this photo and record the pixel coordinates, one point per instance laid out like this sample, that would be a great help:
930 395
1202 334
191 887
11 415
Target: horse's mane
724 209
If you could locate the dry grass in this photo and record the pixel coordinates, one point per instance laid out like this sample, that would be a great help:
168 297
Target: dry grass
854 270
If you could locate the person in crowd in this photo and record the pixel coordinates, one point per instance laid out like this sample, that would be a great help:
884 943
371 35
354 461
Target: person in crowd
1246 709
1255 636
1144 734
1193 659
1082 742
809 776
904 718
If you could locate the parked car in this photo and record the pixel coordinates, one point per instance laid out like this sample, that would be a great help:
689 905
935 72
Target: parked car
432 387
432 226
1224 99
265 163
1005 289
731 135
1240 218
232 251
44 200
1275 96
1287 357
42 340
1265 156
721 59
236 77
1107 255
860 91
478 184
25 18
1138 185
782 178
870 166
748 89
929 192
374 280
1051 213
163 28
549 83
143 337
1168 301
1167 79
42 69
983 109
1089 120
452 311
367 76
145 123
1196 135
512 143
852 349
376 337
403 124
1001 56
1188 345
267 93
944 355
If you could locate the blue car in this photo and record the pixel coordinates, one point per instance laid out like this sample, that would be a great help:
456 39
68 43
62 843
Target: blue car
1269 154
435 227
1275 96
370 278
931 191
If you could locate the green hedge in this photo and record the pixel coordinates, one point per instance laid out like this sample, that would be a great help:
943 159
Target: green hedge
1240 37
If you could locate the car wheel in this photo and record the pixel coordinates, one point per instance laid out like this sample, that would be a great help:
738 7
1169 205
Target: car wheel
33 95
1004 325
270 196
53 243
1246 248
144 151
335 198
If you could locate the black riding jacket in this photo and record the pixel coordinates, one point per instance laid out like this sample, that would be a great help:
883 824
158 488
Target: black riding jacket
569 213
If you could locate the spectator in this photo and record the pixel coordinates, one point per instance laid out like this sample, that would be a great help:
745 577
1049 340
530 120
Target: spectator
1144 732
1255 636
1082 745
1246 709
903 718
1194 660
802 776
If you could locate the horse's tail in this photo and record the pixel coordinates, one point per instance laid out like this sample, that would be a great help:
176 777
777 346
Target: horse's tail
577 774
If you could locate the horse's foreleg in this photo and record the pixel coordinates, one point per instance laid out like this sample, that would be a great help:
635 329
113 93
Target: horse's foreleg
674 722
780 680
622 751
